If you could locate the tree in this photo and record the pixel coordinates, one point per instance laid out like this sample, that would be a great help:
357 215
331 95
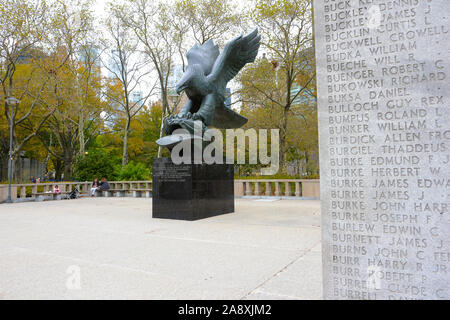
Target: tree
154 24
23 27
127 71
286 29
75 93
209 19
259 90
146 132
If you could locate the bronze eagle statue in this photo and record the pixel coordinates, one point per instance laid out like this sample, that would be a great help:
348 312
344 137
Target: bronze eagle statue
205 81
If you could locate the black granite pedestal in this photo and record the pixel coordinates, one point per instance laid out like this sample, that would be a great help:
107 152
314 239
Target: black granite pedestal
192 191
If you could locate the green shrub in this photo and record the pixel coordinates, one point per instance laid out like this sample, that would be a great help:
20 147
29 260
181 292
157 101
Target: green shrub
96 164
134 172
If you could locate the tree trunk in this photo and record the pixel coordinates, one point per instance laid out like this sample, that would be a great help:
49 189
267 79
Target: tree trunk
165 110
283 142
125 143
17 170
308 166
57 164
161 128
68 159
81 133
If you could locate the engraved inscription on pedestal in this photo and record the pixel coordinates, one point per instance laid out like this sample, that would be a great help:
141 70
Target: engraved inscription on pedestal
169 173
191 191
384 127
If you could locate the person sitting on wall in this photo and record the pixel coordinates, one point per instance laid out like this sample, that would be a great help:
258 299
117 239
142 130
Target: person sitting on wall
94 187
104 185
56 189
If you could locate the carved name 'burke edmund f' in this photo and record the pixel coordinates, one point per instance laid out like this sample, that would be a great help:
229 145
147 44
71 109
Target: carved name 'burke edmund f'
205 81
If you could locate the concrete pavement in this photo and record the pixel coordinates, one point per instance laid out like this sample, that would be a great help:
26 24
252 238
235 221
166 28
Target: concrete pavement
111 248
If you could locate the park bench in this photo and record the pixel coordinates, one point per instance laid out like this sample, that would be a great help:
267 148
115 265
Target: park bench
41 196
109 193
137 193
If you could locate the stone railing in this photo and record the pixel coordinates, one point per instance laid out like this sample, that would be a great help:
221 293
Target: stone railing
83 187
309 188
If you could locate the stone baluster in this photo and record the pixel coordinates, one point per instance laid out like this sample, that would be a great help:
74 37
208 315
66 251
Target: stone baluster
23 192
34 188
298 189
257 189
248 189
287 189
268 188
277 188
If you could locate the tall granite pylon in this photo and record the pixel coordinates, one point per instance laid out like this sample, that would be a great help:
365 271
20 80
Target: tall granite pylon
384 130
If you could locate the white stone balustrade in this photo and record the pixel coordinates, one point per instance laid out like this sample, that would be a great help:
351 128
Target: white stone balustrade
83 187
258 187
309 188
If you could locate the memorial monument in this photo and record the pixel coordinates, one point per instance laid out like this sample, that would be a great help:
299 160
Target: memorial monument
384 131
192 191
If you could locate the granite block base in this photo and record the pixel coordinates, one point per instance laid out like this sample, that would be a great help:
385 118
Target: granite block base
191 191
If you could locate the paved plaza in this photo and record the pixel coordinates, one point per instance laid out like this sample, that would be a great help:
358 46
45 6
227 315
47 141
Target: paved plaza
111 248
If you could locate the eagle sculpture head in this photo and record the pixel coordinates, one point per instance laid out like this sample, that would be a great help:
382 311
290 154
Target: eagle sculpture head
201 60
193 81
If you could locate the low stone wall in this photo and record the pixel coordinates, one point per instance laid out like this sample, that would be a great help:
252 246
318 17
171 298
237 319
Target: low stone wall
83 187
309 188
4 192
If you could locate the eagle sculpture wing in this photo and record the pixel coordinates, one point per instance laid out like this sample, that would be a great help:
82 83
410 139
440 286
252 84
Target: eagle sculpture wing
204 55
238 52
